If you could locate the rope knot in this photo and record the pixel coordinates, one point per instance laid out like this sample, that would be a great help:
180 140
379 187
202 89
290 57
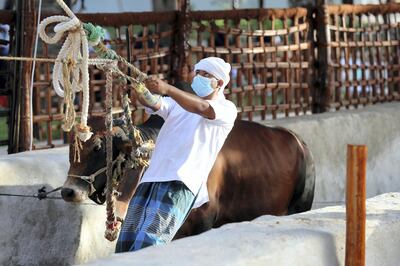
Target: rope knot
112 230
83 132
77 147
95 34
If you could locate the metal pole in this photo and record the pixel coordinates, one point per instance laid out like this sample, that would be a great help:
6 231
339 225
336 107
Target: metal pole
355 205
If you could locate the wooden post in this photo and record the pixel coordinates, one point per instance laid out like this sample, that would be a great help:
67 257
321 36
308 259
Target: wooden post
181 47
355 205
29 21
320 95
15 85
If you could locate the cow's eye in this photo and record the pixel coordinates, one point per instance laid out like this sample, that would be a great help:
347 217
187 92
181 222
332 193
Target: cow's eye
97 144
97 147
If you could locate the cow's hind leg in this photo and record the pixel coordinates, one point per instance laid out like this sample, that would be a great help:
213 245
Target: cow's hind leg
304 193
200 220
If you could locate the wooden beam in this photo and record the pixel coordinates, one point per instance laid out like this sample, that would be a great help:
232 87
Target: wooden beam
355 205
321 92
29 30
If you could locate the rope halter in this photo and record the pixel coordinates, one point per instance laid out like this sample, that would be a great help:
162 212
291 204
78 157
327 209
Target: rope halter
90 179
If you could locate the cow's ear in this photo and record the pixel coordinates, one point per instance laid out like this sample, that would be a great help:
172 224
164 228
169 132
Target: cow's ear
97 123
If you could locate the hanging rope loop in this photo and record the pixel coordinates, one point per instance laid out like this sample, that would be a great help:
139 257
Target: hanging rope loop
68 102
112 228
62 20
75 49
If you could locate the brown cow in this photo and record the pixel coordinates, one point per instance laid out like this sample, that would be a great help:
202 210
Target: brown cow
259 170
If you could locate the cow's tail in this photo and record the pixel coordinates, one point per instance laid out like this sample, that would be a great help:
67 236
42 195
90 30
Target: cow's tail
304 192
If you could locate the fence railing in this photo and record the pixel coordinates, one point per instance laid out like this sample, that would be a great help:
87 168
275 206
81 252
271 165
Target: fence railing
271 53
285 62
363 54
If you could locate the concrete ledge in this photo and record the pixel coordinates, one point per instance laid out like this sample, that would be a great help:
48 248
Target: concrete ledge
328 134
52 232
313 238
46 232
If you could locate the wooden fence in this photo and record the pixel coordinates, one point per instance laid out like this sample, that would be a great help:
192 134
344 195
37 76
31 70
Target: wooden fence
363 54
285 62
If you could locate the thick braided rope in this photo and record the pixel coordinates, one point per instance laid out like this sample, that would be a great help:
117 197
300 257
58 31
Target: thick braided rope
75 49
102 51
76 42
133 132
77 147
64 24
138 77
143 149
72 63
91 61
111 222
68 102
65 8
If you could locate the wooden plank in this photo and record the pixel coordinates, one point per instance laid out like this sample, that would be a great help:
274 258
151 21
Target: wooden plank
321 95
355 205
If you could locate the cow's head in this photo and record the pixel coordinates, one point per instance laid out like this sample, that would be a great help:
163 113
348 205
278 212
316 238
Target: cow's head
79 186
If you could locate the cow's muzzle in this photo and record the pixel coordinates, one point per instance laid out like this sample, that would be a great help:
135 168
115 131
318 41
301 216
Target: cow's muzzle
74 194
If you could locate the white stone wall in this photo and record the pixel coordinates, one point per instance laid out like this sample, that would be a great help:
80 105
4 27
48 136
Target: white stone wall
308 239
53 232
328 135
46 232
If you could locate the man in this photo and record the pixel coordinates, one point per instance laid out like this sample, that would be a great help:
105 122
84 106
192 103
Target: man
194 131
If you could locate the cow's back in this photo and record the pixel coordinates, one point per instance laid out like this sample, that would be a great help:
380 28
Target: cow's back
256 173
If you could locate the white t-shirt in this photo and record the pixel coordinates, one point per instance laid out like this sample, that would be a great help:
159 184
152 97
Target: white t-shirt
188 144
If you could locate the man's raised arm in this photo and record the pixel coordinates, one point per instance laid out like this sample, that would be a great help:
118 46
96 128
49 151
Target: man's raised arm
189 102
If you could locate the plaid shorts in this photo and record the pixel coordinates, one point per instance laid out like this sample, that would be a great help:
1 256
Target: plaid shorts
155 213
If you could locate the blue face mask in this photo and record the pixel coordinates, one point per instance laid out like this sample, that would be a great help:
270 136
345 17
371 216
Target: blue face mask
202 86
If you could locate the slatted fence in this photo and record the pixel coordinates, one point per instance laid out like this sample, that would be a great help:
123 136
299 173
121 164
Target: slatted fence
285 62
363 54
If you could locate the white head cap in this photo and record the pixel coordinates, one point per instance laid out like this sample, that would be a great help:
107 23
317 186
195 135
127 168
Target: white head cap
216 67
